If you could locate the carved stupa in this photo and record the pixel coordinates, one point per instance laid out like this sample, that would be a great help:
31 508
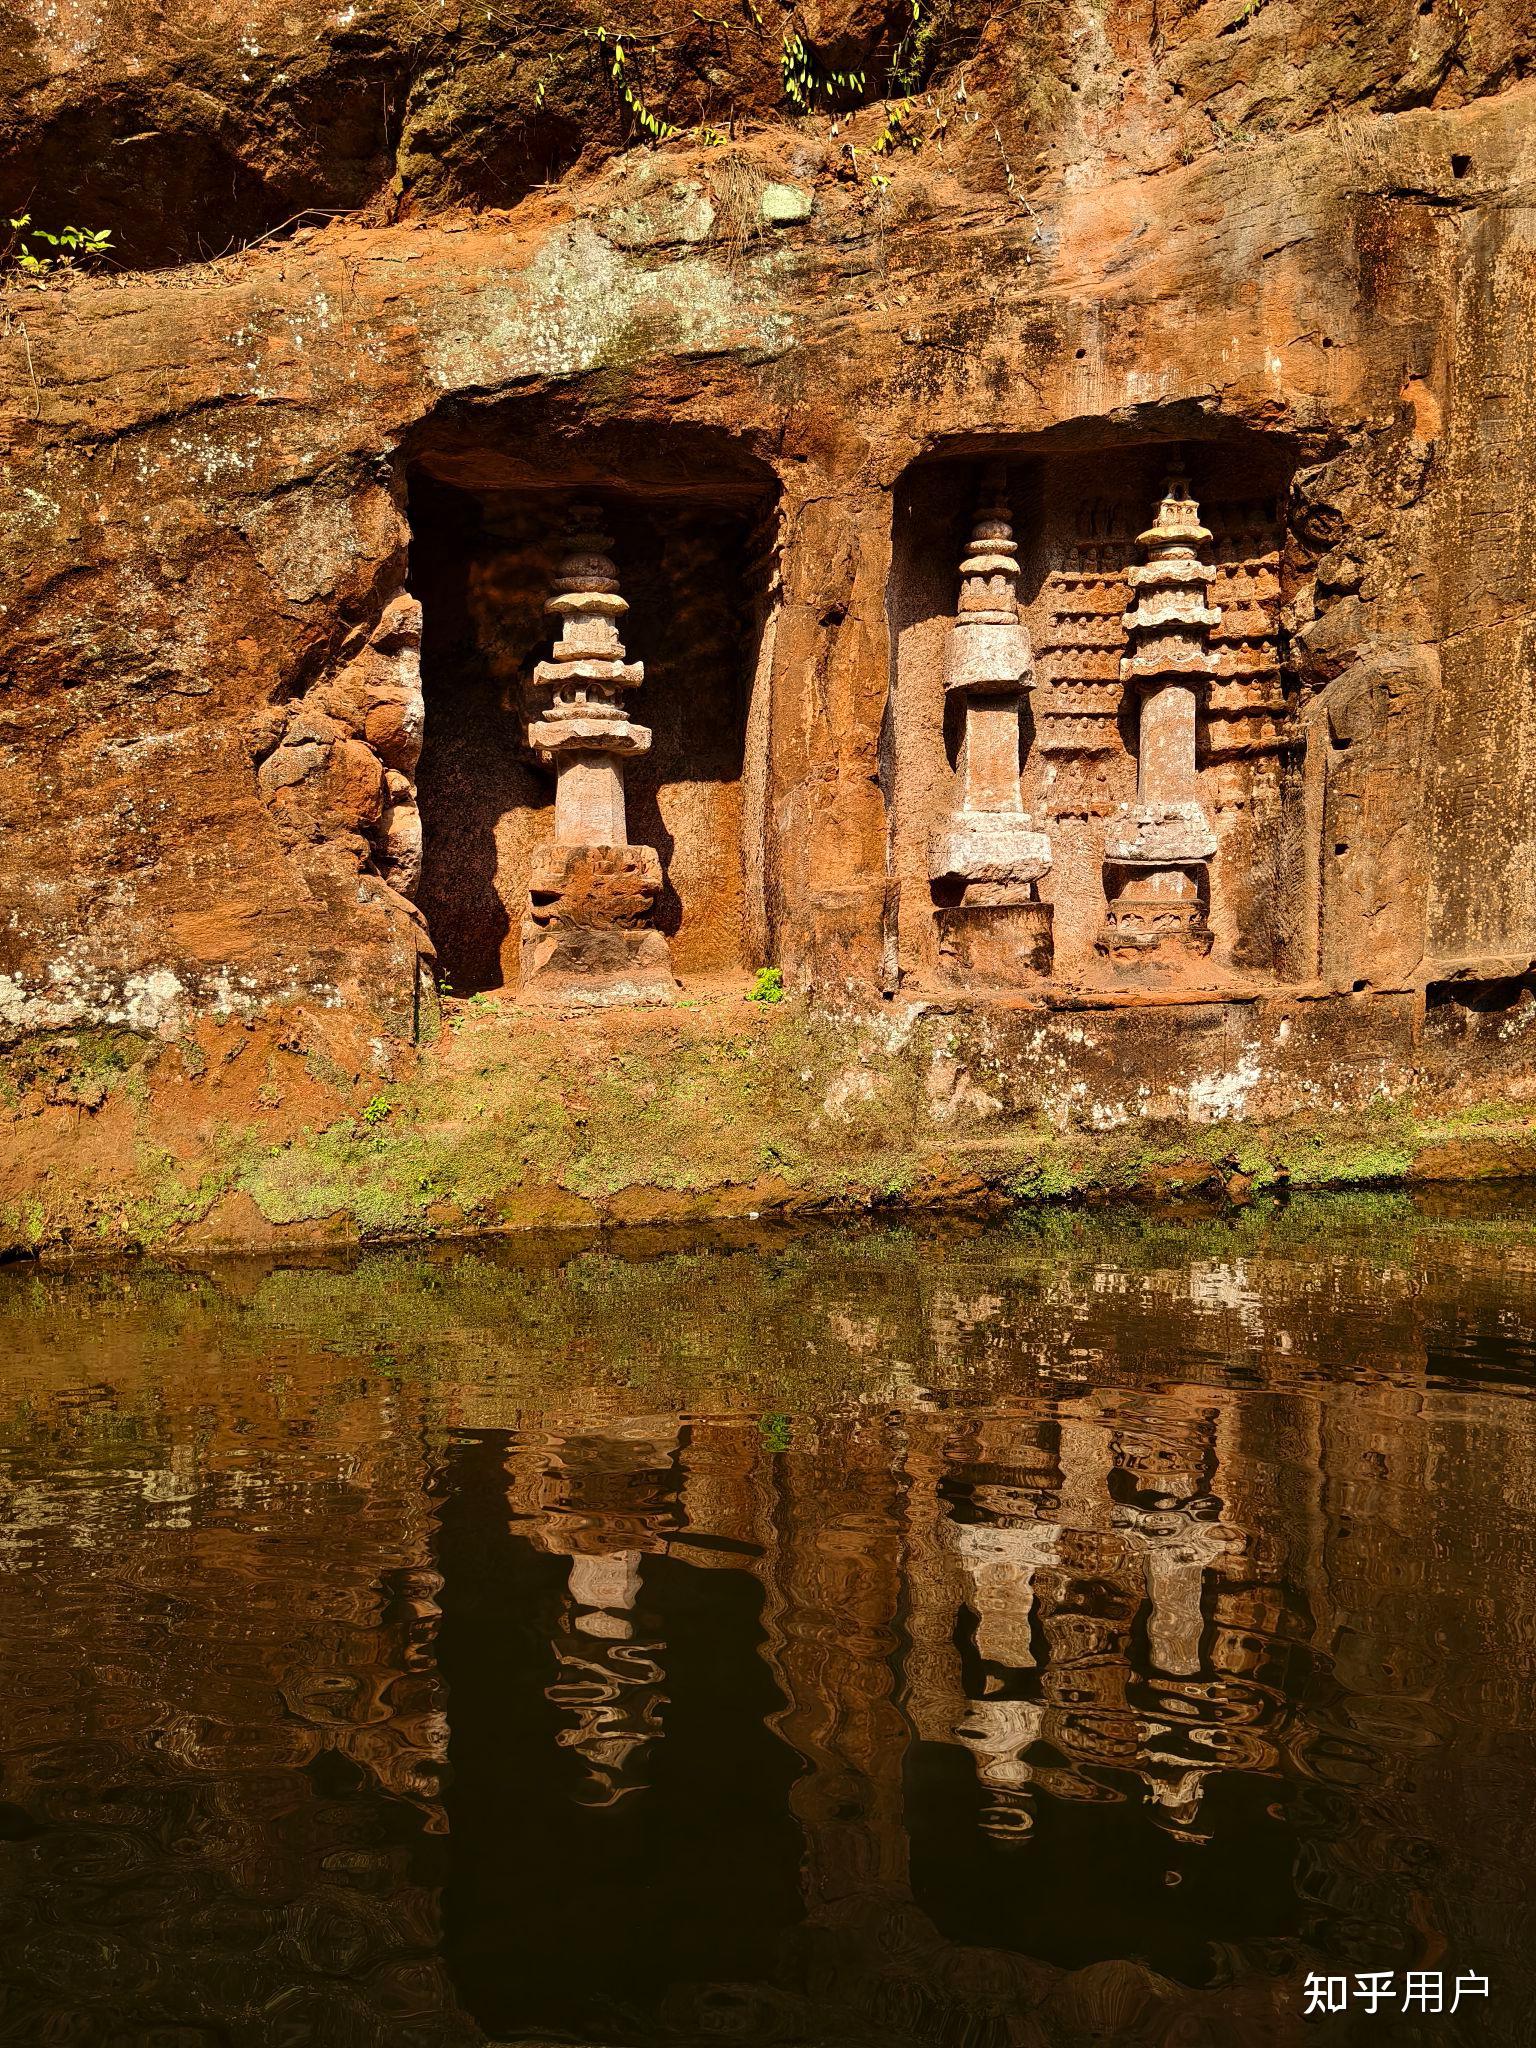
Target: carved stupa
988 856
1157 849
587 934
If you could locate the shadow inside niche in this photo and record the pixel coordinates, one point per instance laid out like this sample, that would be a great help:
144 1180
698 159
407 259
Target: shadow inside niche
471 761
469 161
164 199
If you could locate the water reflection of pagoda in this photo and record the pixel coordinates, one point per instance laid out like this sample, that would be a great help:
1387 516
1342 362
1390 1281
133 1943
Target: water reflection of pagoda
1060 1593
601 1501
1107 1599
1012 1658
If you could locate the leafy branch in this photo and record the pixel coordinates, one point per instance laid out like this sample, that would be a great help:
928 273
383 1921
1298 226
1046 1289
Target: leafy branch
808 85
910 58
615 57
898 128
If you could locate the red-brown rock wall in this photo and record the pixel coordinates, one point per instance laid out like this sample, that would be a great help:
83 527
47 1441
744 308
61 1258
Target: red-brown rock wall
1125 232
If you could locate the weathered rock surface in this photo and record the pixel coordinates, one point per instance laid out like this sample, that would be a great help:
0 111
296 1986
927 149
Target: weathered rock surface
305 1128
1299 244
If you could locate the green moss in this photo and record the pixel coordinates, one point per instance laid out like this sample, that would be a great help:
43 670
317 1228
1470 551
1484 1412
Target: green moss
83 1067
1048 1174
23 1228
1375 1146
382 1180
322 1068
1477 1116
168 1192
496 1123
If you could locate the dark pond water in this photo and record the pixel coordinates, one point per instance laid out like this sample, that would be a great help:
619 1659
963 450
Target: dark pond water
1079 1631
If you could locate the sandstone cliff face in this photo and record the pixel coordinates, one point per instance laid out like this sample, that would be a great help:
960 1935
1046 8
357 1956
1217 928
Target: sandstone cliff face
1286 243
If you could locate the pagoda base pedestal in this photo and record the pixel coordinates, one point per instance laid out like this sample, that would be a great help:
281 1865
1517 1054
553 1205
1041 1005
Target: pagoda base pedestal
586 964
1156 922
994 945
586 938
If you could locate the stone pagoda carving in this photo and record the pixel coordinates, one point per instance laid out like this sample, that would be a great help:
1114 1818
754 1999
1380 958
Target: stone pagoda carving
987 858
1157 850
592 895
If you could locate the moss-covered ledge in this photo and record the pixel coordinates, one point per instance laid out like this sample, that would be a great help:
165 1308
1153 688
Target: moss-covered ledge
299 1129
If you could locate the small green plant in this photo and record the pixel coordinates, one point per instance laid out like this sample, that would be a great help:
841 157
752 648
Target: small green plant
378 1111
768 987
35 251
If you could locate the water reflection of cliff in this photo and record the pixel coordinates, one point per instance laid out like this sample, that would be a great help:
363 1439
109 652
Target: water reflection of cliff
985 1642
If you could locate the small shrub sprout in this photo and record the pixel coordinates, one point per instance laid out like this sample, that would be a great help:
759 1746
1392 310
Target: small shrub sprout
37 252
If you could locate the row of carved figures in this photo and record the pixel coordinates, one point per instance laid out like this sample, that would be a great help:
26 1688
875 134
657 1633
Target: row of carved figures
592 893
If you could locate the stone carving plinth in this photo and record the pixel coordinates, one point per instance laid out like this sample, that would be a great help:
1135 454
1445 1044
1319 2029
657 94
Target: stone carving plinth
587 935
1157 850
988 856
1147 914
994 945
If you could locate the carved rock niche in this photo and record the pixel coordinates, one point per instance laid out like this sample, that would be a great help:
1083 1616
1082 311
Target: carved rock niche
1092 753
589 655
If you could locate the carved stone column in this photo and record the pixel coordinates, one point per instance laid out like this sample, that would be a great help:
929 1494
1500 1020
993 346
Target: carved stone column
988 856
591 894
1157 850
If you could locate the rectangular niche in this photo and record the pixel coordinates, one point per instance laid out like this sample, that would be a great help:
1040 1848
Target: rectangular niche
696 566
1077 509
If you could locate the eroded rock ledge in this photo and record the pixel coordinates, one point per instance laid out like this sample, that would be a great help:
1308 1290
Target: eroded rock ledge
302 1131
